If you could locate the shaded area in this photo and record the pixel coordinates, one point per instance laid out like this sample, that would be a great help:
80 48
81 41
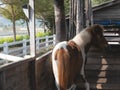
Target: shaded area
103 68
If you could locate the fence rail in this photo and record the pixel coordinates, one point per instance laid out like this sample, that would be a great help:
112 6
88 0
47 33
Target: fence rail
22 48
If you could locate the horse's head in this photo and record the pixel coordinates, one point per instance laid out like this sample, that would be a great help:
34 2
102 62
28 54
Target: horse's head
98 39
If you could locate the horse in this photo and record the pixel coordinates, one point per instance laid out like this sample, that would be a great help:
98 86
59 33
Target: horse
69 57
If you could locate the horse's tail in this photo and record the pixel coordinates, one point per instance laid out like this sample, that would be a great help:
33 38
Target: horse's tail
62 58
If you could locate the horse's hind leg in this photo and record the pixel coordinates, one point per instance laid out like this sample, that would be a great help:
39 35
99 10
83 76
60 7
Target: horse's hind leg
87 85
73 87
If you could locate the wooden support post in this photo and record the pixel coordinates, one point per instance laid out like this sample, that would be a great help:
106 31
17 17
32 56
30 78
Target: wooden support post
32 43
80 16
32 28
87 6
88 12
72 19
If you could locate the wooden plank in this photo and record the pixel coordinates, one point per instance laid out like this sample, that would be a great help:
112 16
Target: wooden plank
114 2
105 86
32 74
113 39
2 81
12 64
10 57
102 67
102 74
103 61
111 80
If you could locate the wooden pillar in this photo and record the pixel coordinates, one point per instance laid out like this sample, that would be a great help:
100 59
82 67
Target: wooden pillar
80 16
88 13
59 20
72 18
32 43
91 13
32 28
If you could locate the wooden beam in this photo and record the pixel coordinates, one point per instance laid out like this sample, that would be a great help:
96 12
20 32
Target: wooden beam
32 28
80 16
10 58
88 12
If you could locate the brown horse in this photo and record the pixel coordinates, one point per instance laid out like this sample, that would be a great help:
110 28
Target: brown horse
69 57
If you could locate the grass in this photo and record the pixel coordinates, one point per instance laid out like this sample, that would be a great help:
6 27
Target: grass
21 37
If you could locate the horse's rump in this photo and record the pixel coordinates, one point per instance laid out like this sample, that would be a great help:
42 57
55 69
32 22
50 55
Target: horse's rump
69 64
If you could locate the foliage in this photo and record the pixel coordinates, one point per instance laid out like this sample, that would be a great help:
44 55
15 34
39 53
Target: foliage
21 37
66 3
43 10
97 2
12 11
42 34
17 7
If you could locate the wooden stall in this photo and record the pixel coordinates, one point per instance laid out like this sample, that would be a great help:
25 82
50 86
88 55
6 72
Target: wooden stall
18 75
108 15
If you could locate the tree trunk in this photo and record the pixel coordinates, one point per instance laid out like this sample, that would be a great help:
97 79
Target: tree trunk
13 20
59 20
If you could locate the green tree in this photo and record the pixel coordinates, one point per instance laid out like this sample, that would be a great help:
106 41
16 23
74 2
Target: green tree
13 11
44 10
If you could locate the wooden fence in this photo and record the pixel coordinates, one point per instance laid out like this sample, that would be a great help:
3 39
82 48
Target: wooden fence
27 73
21 48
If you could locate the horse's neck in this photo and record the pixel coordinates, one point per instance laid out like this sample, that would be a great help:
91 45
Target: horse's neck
83 39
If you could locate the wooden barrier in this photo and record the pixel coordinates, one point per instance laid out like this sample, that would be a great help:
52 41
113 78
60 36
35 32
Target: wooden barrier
27 74
18 75
44 74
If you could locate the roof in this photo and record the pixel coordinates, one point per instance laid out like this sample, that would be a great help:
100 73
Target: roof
107 4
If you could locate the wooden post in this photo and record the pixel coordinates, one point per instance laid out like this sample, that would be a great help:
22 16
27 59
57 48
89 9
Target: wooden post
24 47
91 13
32 28
88 12
78 19
59 20
81 17
47 43
72 19
32 43
5 48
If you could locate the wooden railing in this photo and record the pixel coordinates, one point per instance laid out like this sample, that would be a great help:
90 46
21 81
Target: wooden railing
21 48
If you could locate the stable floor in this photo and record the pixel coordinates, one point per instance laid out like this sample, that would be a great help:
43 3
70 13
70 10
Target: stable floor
103 68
